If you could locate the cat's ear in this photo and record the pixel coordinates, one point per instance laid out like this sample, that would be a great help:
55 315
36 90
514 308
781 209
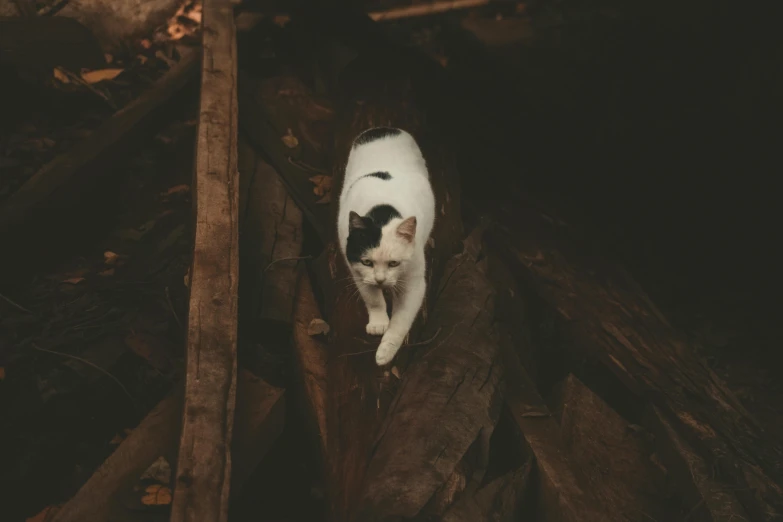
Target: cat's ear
407 229
355 221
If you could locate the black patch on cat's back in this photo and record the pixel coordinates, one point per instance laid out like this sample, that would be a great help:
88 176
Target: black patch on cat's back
385 176
360 240
375 134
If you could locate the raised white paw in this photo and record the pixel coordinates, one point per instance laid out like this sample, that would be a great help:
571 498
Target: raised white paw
378 324
386 352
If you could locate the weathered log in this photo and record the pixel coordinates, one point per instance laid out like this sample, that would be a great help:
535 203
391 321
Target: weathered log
381 89
564 495
613 456
498 501
204 463
422 443
610 319
260 415
270 242
48 42
311 356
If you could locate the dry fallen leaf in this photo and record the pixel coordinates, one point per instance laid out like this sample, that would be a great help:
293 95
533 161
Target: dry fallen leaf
46 515
281 20
106 273
159 471
323 184
74 280
110 257
290 140
157 495
146 44
177 189
396 372
60 76
2 373
317 326
101 75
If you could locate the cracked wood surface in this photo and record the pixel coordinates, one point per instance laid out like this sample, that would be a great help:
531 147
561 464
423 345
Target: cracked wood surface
204 465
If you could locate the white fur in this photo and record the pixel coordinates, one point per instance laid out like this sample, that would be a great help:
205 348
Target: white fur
410 192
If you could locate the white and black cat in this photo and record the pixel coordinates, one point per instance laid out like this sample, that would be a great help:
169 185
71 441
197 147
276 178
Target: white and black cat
387 210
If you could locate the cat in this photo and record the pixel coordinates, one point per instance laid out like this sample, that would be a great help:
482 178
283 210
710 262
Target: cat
386 214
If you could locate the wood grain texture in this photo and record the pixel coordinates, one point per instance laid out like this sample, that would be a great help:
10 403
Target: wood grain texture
423 442
610 319
204 465
564 495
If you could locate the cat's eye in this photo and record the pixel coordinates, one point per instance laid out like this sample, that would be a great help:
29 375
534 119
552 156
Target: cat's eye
394 263
366 262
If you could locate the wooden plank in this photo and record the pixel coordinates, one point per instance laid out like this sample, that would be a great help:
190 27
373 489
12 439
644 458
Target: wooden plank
709 500
204 464
422 442
614 458
563 495
498 501
606 315
260 417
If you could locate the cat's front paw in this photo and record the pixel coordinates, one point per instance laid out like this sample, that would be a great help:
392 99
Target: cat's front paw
378 324
386 352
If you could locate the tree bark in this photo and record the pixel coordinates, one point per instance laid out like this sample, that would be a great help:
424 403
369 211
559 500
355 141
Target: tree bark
204 464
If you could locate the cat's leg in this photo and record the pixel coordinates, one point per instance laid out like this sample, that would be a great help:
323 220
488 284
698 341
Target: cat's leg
406 308
373 298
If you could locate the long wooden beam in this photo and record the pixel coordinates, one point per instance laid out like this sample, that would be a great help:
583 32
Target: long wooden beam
204 465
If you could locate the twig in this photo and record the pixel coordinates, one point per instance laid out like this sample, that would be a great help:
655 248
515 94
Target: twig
286 259
420 343
306 166
15 305
54 9
173 311
79 80
88 363
425 9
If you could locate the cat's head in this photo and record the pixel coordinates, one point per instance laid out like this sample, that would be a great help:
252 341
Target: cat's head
379 252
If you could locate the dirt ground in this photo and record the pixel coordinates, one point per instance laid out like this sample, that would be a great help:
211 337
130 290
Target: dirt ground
652 128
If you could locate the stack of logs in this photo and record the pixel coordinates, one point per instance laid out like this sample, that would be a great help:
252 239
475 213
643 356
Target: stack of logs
458 429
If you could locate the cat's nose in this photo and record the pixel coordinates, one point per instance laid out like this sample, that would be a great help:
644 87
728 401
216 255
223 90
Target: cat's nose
380 278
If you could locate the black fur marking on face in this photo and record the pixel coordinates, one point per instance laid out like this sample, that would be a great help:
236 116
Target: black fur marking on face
377 133
385 176
360 240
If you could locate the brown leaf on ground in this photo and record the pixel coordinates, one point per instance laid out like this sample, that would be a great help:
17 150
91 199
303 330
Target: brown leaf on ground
60 76
100 75
107 273
2 373
318 326
156 495
290 140
46 515
110 258
323 184
73 280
